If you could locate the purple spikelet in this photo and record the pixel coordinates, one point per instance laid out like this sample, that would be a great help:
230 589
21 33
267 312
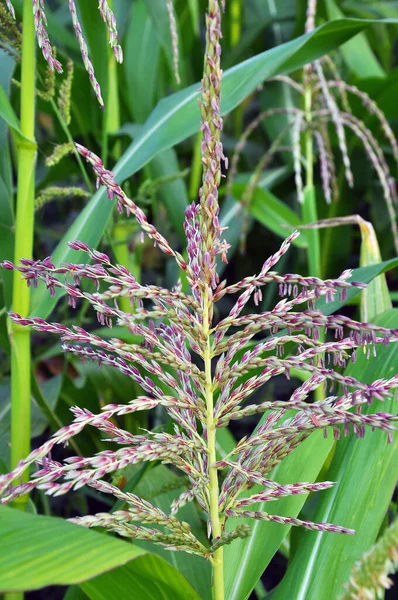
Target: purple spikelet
43 40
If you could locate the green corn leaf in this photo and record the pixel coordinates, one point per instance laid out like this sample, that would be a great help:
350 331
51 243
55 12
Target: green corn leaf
141 62
75 593
158 15
304 464
375 299
247 559
275 215
267 209
147 578
8 115
174 195
366 472
6 192
231 215
377 9
37 551
357 53
194 9
364 274
160 487
177 117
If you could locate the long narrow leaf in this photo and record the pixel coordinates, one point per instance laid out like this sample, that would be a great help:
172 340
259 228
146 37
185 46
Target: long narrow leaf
7 113
247 559
194 10
6 192
375 300
141 64
147 578
160 486
37 551
366 471
358 54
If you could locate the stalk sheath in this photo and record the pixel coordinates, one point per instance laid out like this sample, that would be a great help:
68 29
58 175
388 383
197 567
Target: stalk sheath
24 225
309 207
310 213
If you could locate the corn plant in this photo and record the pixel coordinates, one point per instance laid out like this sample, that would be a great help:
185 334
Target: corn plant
208 367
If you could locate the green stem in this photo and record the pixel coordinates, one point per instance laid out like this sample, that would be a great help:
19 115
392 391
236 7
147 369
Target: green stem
236 31
309 214
112 109
218 566
120 248
236 21
328 237
112 125
24 224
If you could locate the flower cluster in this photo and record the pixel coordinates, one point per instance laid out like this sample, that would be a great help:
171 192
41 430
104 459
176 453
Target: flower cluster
174 39
370 575
329 106
10 35
45 44
201 371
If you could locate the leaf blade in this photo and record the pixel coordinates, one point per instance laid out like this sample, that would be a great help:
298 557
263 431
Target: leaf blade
37 551
43 543
303 464
324 561
357 53
147 578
